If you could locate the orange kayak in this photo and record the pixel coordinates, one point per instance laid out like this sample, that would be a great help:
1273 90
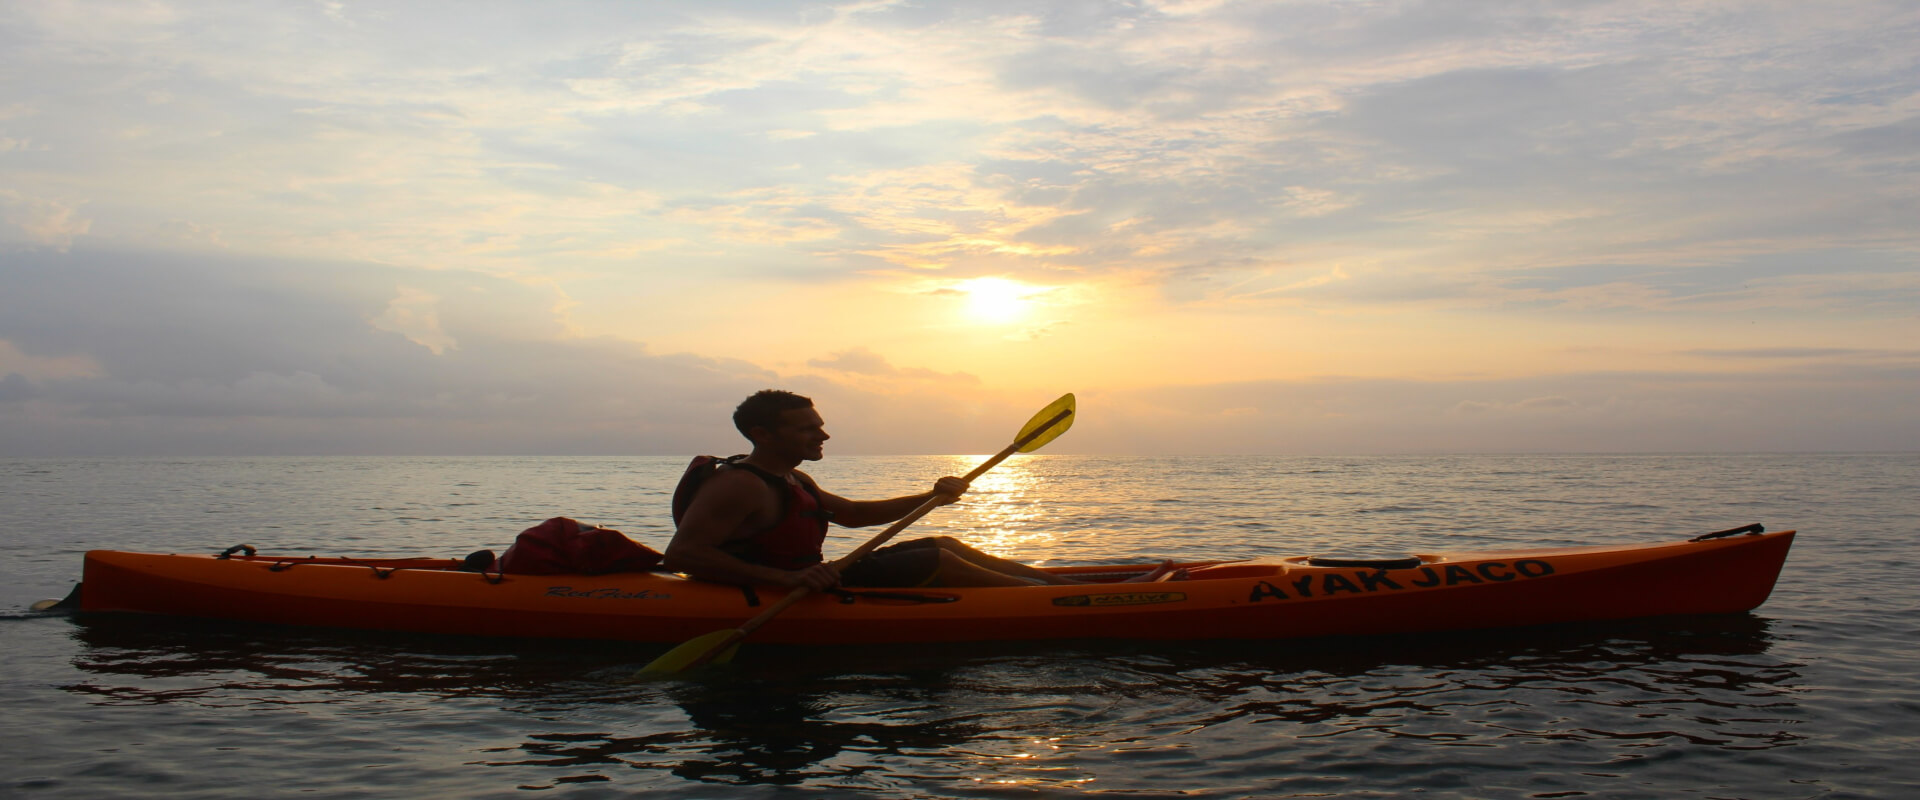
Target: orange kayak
1269 598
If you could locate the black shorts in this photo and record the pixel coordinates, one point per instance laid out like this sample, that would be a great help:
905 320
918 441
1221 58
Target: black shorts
905 565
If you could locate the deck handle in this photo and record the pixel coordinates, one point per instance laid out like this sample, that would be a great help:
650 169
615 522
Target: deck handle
1752 530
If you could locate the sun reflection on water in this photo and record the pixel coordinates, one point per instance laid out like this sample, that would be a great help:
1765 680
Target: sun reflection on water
1000 513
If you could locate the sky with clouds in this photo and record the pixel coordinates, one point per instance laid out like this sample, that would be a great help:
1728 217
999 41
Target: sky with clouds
1263 227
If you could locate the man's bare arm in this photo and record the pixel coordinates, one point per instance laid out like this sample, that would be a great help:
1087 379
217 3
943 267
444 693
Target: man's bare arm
861 513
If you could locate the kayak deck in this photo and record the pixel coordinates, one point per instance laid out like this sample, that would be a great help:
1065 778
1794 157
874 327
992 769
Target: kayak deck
1269 598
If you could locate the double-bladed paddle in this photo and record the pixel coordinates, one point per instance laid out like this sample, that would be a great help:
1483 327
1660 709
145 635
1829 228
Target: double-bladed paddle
1045 426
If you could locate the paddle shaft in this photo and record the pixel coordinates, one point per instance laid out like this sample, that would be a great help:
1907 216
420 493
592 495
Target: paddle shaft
847 560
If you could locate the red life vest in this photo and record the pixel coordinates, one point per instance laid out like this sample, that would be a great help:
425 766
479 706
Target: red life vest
791 542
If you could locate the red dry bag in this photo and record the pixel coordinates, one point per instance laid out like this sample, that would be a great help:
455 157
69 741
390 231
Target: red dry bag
560 546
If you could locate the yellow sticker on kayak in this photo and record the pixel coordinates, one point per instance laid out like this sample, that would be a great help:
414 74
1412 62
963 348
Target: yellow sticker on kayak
1121 599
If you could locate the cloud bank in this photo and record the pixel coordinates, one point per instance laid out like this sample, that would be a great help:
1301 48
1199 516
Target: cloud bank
117 354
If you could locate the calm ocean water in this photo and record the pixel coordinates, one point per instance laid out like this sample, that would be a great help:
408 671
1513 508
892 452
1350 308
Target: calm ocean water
1811 696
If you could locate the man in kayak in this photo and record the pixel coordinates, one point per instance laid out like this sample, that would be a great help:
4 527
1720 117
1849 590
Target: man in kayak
760 520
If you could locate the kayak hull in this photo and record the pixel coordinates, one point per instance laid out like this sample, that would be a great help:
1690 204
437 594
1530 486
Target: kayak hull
1277 598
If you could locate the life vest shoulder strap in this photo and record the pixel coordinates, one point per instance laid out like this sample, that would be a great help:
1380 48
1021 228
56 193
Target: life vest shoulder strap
703 467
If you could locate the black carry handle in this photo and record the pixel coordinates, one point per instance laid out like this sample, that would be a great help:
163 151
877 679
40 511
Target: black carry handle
1754 529
228 553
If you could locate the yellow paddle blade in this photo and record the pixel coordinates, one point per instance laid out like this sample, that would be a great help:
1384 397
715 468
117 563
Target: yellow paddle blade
1064 404
680 658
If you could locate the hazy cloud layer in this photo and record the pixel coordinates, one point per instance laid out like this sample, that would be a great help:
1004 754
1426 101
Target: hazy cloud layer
119 353
1816 406
157 355
197 355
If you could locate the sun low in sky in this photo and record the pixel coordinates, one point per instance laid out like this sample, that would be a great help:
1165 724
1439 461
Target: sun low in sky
1227 227
997 300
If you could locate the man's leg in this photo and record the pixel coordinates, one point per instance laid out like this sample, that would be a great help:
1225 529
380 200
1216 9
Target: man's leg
1027 575
950 545
957 571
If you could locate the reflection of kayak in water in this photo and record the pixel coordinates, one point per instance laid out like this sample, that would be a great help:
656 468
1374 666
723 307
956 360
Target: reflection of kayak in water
1268 598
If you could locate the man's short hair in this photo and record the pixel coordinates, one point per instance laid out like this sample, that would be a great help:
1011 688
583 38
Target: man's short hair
764 408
